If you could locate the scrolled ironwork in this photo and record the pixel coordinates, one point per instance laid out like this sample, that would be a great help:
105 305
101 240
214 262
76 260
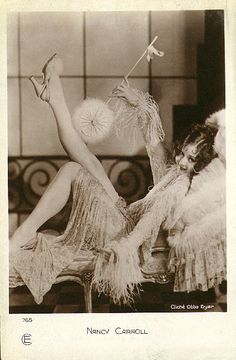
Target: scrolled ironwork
38 174
14 197
14 170
30 176
130 178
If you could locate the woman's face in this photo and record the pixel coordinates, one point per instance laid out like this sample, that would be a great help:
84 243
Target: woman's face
187 158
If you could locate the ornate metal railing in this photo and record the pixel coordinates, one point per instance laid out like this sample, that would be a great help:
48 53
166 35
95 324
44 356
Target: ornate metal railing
29 176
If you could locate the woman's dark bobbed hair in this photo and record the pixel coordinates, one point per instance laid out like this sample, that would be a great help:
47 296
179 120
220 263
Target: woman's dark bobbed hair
203 136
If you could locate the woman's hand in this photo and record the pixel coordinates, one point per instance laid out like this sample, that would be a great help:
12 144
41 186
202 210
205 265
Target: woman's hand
108 252
125 92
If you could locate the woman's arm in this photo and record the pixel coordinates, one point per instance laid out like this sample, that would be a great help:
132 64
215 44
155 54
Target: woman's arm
71 140
149 123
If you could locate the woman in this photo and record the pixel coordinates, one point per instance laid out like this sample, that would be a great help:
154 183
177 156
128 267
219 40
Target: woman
188 202
100 223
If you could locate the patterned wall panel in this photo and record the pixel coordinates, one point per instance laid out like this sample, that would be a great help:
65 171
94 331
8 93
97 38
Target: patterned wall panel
179 32
13 44
168 92
13 108
38 123
114 42
43 34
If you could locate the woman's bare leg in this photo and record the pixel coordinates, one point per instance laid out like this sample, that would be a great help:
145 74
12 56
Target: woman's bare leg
71 139
57 194
51 202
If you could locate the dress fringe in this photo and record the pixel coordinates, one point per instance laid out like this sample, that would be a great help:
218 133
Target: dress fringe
120 276
94 221
201 270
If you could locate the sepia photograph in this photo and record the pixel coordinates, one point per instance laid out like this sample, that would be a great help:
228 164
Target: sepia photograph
117 162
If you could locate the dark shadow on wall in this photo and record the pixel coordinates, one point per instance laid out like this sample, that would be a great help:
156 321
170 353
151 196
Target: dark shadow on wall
210 77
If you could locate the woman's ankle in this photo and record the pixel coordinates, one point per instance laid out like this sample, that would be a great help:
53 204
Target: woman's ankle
55 90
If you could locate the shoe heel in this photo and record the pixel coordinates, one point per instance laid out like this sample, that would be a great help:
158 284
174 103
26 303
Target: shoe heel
39 88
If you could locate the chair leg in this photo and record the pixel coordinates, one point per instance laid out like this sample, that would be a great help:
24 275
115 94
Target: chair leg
88 294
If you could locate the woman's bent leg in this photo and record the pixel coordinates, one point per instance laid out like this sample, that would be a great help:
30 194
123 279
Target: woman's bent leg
51 202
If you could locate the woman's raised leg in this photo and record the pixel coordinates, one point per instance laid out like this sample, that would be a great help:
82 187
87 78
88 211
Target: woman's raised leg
56 196
70 139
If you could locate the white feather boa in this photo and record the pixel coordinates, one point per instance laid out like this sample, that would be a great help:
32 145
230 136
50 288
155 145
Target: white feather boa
198 250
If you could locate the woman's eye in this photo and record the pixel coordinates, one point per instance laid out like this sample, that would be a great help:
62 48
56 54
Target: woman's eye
191 160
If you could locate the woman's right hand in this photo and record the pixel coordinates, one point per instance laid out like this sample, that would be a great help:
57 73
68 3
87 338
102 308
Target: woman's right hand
124 91
108 252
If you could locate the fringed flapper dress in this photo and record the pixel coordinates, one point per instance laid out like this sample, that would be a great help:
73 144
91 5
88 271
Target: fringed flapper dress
94 221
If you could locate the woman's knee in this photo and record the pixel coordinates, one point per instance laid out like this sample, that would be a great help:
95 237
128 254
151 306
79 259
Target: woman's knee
70 169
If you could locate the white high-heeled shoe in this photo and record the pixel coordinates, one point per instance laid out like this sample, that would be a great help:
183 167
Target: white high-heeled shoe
53 65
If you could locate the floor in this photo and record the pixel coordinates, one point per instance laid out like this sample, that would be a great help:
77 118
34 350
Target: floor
68 297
